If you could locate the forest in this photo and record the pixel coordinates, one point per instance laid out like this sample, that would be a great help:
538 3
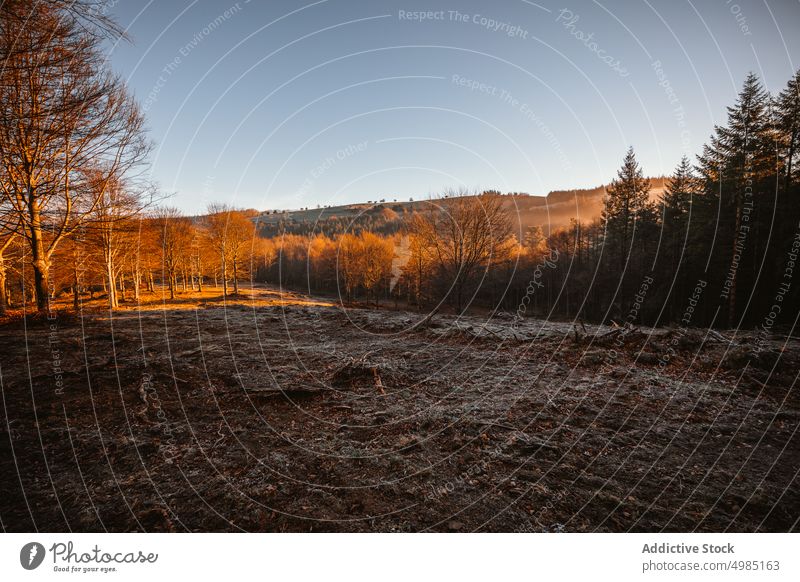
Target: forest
79 218
727 224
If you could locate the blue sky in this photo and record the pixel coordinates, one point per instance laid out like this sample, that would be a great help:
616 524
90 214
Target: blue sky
291 104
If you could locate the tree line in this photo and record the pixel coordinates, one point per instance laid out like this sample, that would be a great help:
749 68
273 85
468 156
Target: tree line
717 248
76 211
719 245
78 216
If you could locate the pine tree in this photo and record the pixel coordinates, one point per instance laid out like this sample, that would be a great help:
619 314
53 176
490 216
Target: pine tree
676 206
736 166
627 211
676 202
626 200
677 197
787 107
787 114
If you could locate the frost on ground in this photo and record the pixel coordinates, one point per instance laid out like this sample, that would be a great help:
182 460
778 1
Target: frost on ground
280 413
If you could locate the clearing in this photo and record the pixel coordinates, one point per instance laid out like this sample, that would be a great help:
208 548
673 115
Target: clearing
278 412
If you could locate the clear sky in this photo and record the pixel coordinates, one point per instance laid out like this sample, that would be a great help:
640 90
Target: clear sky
287 104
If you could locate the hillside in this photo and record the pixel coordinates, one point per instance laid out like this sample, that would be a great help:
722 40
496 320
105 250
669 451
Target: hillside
552 211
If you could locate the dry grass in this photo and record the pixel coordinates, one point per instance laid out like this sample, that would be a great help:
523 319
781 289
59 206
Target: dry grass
278 412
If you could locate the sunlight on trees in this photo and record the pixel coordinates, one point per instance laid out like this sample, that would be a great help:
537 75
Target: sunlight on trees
78 218
68 129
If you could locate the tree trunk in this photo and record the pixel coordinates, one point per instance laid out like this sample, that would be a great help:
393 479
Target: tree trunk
732 290
224 277
235 277
38 257
5 292
76 300
110 284
136 276
792 141
3 296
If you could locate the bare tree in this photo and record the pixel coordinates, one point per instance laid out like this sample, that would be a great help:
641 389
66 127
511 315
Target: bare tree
376 262
266 251
461 234
349 263
92 16
148 251
62 113
230 234
76 261
5 242
172 237
112 231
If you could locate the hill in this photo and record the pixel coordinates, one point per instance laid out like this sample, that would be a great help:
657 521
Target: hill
555 210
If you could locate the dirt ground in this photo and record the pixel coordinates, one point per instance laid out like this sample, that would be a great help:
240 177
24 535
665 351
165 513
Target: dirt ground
277 412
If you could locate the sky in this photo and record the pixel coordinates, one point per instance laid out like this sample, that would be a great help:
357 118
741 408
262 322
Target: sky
293 104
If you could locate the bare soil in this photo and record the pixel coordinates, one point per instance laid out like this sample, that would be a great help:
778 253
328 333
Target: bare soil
279 412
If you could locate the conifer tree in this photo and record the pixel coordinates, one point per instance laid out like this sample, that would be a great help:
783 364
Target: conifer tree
736 166
676 248
626 201
787 106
